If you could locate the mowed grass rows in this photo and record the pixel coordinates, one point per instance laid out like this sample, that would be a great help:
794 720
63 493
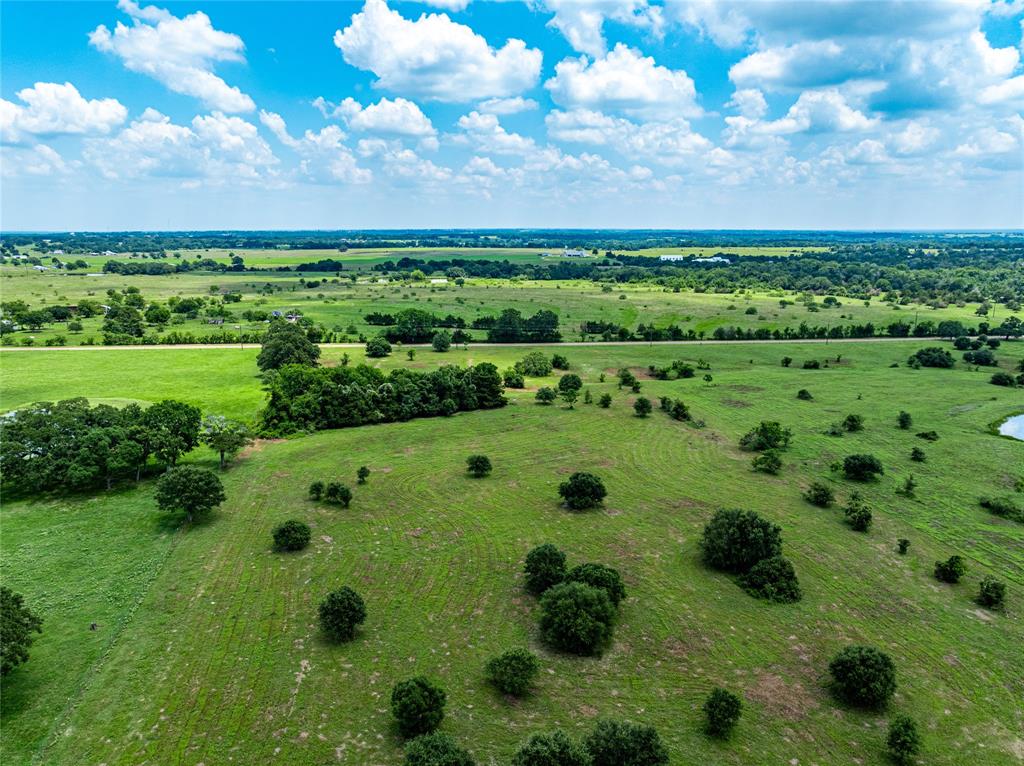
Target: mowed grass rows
210 653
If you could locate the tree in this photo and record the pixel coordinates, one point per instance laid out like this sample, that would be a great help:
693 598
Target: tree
786 361
417 705
513 378
17 624
545 567
853 423
991 592
378 347
362 474
336 492
933 356
804 395
75 326
189 490
819 494
410 353
582 490
599 576
316 490
286 343
340 613
735 540
436 749
551 749
904 420
534 365
862 467
721 712
545 395
478 465
903 741
773 579
1003 379
569 387
292 535
442 341
767 462
642 407
559 362
903 544
576 618
513 671
226 437
863 675
622 743
950 570
917 455
588 398
767 435
858 515
605 401
173 429
158 314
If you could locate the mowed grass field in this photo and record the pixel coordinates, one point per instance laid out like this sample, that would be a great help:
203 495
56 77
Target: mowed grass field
207 650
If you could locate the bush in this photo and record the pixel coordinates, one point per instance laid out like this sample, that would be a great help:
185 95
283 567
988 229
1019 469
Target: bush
917 455
582 491
1003 379
903 544
340 613
478 465
932 356
768 434
904 420
858 515
436 749
862 467
316 490
417 705
441 341
605 401
721 712
513 378
735 540
17 624
286 343
642 407
1003 507
512 672
599 576
862 675
338 493
190 490
950 570
546 395
378 347
903 741
982 357
804 395
559 362
773 579
819 494
534 365
767 462
853 423
991 592
812 364
622 743
362 474
554 749
545 567
928 436
292 536
576 618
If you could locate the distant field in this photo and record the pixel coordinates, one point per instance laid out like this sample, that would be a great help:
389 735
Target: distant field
207 651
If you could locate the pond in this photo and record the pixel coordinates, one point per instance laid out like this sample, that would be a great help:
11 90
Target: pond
1013 427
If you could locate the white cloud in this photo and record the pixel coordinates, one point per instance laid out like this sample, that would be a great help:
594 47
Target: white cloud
915 138
434 57
178 52
324 157
37 160
582 21
989 141
507 105
1008 90
485 132
668 143
750 102
54 109
819 111
401 163
394 116
623 81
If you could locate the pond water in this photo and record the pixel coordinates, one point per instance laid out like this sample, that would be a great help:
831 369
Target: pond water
1014 427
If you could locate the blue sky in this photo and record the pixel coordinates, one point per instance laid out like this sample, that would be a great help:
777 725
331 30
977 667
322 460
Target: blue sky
552 113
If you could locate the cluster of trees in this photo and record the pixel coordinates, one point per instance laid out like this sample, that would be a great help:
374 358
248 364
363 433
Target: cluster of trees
768 438
311 398
745 544
415 325
512 327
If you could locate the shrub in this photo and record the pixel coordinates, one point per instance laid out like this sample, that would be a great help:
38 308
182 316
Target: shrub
735 540
316 490
1003 507
378 347
678 410
991 592
904 420
338 493
819 494
928 436
862 675
903 742
340 613
551 749
903 544
478 465
804 395
862 467
950 570
642 407
546 395
786 361
768 434
512 672
190 490
417 705
812 364
599 576
917 455
559 362
622 743
441 341
605 401
285 343
1003 379
436 749
853 423
982 357
767 462
362 474
721 712
17 624
576 618
513 378
292 536
569 388
545 567
534 365
773 579
582 491
858 515
932 356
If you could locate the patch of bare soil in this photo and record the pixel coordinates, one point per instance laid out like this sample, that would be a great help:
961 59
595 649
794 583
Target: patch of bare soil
257 446
790 700
735 403
744 389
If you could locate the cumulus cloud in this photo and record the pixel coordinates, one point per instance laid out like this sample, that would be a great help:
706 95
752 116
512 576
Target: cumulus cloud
434 57
323 156
486 133
819 111
507 105
53 109
178 52
582 21
623 81
668 143
394 116
37 160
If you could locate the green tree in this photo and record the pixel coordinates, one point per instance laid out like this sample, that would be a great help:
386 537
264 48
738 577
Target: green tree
951 570
554 748
378 347
545 567
335 492
642 407
173 428
605 401
582 490
862 467
292 535
340 613
569 387
767 435
545 395
286 343
991 592
599 576
362 474
857 514
316 490
819 494
512 672
226 437
17 624
576 618
722 711
478 465
773 579
903 741
417 705
534 365
904 420
735 540
189 490
767 462
442 341
622 743
863 675
436 749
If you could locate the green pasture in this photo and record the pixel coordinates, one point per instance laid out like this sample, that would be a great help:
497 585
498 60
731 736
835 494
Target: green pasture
206 648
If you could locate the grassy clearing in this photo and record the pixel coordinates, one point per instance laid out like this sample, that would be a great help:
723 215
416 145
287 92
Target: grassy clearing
221 661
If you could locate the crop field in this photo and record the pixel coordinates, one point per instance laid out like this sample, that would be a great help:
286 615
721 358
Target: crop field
206 648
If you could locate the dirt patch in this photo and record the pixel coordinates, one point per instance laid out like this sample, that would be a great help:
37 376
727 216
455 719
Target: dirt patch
790 700
735 403
587 711
744 389
257 446
418 532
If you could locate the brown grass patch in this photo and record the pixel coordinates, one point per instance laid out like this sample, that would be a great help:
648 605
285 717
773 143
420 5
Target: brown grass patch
789 700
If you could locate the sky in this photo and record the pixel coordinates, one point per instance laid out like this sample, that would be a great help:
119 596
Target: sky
756 114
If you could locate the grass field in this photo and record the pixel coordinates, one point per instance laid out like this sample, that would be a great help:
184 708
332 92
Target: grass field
207 651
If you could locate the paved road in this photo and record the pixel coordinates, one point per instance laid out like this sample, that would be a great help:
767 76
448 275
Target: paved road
251 346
